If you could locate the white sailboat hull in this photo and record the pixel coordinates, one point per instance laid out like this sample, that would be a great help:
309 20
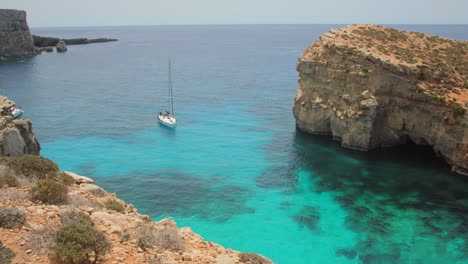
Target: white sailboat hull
169 121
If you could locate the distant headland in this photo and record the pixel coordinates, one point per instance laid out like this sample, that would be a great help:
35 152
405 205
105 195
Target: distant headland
16 40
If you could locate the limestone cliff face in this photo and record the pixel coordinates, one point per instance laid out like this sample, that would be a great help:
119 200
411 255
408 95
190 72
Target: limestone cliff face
16 136
371 86
15 37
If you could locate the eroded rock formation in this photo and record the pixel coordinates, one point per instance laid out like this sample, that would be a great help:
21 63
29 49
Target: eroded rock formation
16 136
371 86
15 37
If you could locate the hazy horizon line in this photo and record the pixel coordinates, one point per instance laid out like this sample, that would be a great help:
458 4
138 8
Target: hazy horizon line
252 24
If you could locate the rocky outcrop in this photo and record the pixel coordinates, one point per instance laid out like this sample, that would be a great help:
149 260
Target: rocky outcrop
16 136
371 86
61 46
51 41
15 37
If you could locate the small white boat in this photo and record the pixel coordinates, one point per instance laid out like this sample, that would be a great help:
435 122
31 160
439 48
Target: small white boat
167 117
16 112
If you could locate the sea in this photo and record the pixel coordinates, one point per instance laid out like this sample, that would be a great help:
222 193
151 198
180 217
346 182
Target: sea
235 169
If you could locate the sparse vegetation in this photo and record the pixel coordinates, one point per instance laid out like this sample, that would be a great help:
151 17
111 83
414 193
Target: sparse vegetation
6 255
32 166
66 179
50 192
75 217
125 236
252 258
165 238
11 217
8 180
115 205
78 243
40 239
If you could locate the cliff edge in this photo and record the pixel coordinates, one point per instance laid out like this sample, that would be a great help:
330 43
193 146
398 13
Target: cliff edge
371 86
16 135
15 37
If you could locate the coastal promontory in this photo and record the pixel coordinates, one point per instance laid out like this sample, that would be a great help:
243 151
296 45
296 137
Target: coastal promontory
16 40
371 86
15 37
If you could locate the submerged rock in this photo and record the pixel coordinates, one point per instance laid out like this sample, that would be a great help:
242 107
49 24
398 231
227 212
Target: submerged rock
383 87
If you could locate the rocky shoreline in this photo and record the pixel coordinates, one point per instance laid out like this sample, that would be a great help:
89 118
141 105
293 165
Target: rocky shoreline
371 86
131 236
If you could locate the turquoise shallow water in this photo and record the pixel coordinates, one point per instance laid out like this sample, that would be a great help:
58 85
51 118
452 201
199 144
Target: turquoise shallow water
235 169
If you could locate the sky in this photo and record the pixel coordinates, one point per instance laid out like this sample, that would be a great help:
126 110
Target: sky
55 13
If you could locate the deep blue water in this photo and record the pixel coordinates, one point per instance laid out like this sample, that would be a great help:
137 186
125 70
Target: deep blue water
235 169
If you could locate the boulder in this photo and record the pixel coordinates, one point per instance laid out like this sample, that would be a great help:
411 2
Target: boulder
61 46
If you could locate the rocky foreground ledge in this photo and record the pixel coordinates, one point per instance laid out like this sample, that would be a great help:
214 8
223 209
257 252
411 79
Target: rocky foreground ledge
48 216
370 86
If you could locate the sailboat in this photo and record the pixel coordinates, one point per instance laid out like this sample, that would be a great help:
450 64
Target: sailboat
166 117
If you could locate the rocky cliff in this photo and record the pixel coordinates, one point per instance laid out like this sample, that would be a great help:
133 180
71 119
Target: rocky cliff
371 86
15 37
16 136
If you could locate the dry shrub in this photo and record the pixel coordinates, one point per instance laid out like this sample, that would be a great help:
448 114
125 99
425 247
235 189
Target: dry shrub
11 217
75 217
6 255
115 205
50 192
8 180
32 166
164 238
78 243
40 239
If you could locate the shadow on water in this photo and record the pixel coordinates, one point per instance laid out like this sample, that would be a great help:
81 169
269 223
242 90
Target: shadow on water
174 193
388 194
168 131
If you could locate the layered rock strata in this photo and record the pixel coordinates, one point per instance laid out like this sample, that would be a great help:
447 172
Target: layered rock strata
15 37
370 86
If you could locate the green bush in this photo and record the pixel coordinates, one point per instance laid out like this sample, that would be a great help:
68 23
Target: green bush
6 255
8 180
66 179
75 217
11 217
76 243
252 258
50 192
112 204
32 165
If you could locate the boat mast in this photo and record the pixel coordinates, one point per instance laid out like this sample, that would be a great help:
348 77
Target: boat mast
171 103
